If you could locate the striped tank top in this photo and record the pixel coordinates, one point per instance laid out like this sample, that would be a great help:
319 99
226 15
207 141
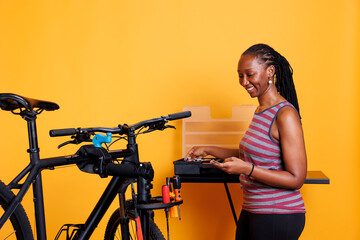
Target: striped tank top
258 147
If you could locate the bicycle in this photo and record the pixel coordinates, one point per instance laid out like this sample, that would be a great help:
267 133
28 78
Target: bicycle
123 165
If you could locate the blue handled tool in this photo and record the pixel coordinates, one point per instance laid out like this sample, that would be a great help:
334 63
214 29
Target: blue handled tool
101 138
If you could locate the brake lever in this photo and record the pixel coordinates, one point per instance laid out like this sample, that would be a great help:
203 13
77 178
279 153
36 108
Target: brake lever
72 142
169 126
149 130
64 144
161 128
78 138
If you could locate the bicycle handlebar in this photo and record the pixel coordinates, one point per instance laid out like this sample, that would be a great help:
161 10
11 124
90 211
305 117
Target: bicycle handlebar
120 129
179 115
62 132
73 131
170 117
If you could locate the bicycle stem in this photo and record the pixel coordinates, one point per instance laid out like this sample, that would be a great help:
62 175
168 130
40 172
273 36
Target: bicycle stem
143 185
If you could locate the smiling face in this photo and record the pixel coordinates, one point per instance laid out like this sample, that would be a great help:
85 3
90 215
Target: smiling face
254 76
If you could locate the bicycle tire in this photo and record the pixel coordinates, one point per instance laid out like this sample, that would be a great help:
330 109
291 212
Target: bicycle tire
19 226
113 227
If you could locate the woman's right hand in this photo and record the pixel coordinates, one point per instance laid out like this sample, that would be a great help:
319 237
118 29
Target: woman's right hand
217 152
196 152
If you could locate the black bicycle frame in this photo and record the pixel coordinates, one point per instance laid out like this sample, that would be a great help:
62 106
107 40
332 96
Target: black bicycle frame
117 185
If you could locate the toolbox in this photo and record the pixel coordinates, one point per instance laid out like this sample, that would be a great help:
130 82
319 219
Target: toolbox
204 130
196 168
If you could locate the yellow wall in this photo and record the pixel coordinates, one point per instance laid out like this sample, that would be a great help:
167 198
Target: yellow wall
110 62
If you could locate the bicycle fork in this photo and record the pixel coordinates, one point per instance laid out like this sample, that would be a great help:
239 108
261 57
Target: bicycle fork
144 187
124 219
143 195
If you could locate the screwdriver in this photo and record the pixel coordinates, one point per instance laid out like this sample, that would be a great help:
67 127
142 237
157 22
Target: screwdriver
166 199
177 186
173 211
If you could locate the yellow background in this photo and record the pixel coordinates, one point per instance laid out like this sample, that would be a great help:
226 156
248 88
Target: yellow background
109 62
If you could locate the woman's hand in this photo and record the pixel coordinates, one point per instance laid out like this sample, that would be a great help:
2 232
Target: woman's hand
217 152
196 152
233 165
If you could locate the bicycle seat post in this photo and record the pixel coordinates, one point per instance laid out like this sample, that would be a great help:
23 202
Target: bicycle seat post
30 117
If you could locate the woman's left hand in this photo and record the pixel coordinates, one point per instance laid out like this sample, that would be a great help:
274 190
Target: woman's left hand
232 165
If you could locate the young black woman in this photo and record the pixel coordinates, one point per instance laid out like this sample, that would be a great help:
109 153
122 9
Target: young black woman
271 159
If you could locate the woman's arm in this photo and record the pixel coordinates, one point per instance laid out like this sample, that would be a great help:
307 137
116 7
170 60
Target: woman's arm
218 152
293 151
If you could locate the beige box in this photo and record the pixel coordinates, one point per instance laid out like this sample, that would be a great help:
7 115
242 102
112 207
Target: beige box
203 130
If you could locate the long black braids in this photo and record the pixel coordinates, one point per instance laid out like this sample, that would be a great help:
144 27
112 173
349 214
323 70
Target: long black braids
283 71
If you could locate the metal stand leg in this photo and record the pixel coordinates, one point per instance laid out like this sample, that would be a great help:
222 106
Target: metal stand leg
231 203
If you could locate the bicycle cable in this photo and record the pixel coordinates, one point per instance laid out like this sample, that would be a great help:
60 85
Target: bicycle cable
139 131
118 138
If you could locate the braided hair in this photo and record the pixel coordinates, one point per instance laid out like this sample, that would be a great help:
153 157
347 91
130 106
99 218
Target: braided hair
283 71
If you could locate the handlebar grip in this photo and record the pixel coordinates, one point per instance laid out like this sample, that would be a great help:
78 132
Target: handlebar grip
126 170
179 115
62 132
130 170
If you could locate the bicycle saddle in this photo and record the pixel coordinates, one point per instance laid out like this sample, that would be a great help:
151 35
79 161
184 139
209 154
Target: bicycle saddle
10 102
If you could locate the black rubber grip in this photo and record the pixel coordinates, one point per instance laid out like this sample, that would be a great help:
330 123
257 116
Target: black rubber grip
125 170
62 132
179 115
129 170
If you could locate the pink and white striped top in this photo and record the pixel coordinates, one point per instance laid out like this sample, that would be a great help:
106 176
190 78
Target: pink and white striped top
258 147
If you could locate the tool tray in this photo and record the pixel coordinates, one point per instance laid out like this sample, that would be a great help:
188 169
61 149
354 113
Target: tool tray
157 203
196 168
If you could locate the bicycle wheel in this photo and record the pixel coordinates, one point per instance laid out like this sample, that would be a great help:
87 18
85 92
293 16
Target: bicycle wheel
18 227
113 230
